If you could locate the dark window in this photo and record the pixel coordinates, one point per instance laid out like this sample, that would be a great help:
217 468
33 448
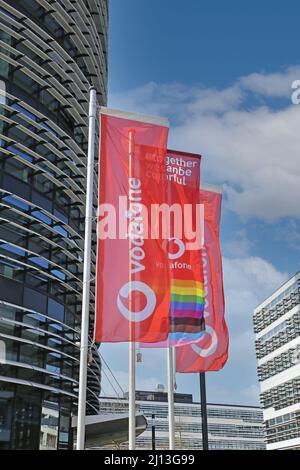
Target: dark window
6 413
16 186
56 310
11 291
27 419
34 300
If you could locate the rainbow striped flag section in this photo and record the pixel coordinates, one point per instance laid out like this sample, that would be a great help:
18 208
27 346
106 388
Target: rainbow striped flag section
186 310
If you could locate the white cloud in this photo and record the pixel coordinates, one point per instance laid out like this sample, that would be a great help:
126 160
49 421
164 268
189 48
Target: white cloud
252 148
290 233
239 245
247 281
273 84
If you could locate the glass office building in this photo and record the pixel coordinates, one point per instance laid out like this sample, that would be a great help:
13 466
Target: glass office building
230 427
277 328
50 54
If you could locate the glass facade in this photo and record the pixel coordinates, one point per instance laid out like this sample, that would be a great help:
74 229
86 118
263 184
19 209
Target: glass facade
277 327
51 53
235 427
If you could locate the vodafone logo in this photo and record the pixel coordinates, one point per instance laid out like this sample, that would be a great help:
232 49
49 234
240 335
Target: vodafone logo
205 352
180 248
125 292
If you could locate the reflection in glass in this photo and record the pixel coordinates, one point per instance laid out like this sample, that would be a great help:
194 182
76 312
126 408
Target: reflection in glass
49 426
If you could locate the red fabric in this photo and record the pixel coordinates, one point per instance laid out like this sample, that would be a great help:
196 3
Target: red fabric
146 257
186 324
210 353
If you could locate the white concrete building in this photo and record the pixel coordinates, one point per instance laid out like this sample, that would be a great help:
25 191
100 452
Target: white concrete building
277 327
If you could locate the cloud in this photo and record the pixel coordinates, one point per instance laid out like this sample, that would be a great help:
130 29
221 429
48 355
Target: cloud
247 282
290 233
274 84
250 147
239 244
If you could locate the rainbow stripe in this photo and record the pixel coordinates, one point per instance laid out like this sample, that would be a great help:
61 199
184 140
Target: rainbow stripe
187 307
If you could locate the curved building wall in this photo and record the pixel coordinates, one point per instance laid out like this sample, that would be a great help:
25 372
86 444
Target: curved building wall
50 54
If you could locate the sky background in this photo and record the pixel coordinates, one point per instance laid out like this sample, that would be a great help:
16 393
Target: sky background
222 73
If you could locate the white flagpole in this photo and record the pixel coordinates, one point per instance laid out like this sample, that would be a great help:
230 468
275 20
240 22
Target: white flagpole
86 273
131 372
170 362
131 397
171 387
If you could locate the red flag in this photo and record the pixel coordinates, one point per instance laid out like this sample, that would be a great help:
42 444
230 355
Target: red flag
133 285
185 262
187 289
211 351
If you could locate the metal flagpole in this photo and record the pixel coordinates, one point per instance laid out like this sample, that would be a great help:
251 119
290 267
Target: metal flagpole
131 397
171 397
203 411
131 384
170 360
153 432
86 273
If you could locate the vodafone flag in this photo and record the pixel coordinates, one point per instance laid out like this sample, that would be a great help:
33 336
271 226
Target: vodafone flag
133 282
187 289
185 222
210 353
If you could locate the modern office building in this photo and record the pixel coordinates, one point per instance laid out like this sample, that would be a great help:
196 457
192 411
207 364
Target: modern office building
50 53
277 329
236 427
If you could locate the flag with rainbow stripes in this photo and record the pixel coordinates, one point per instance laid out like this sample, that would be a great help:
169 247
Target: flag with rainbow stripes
186 310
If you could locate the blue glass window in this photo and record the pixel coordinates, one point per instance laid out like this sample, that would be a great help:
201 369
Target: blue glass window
44 218
13 249
58 274
20 153
36 316
16 202
61 216
39 261
56 310
61 230
42 124
24 111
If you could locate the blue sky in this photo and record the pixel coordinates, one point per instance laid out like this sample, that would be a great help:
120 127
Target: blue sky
222 73
211 42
